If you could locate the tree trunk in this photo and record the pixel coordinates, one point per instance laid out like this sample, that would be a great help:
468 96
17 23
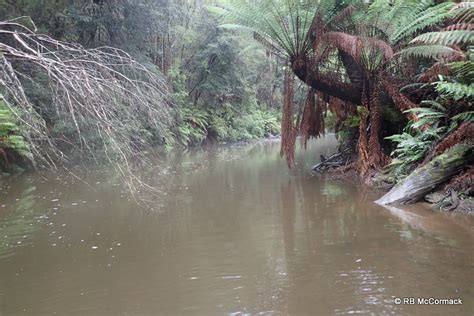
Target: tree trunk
362 143
427 177
326 83
377 157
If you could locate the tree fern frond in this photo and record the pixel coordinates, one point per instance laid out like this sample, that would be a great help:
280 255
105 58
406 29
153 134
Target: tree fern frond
464 69
272 42
434 104
464 14
270 45
456 90
467 116
464 4
416 85
423 19
429 51
281 24
446 38
459 26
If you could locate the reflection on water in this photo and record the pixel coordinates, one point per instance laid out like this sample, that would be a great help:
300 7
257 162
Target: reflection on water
235 233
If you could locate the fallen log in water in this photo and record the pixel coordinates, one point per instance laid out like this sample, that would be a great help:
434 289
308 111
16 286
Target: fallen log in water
427 177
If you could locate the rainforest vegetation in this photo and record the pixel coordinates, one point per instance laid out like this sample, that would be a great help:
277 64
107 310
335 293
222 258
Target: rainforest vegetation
90 80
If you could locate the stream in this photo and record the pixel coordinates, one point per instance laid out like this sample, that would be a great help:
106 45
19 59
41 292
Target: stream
234 232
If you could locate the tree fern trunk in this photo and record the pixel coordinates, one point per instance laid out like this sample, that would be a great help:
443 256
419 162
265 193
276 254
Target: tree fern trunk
377 157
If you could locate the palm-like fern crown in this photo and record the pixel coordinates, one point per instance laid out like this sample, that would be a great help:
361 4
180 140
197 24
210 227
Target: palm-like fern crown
367 33
402 20
281 25
313 28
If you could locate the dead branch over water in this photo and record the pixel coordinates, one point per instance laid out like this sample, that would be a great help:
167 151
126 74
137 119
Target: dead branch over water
101 91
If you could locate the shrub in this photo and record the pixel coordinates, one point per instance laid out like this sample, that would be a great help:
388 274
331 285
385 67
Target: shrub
11 141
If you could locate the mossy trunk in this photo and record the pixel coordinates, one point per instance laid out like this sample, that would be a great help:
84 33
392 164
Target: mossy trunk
428 176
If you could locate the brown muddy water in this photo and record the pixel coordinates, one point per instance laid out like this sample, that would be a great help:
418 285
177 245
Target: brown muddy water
235 233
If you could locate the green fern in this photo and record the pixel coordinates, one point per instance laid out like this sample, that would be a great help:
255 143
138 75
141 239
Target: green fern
428 115
419 136
445 38
192 126
412 146
390 17
464 12
10 138
455 90
279 25
428 51
437 44
421 17
463 69
467 116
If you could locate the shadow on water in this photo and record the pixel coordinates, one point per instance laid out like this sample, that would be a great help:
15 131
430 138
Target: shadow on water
236 233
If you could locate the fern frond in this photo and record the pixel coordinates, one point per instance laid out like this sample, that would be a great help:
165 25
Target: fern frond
429 51
434 104
423 19
283 26
467 116
428 116
456 90
412 86
459 26
446 38
464 12
463 69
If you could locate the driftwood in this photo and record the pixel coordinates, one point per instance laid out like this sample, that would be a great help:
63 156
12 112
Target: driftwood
342 157
325 161
428 176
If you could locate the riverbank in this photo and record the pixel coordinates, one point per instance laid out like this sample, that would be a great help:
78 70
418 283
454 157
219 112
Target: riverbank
448 197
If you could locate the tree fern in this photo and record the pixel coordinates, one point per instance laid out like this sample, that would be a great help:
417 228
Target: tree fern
437 44
412 146
421 18
463 69
464 12
282 26
428 51
446 38
467 116
427 116
456 90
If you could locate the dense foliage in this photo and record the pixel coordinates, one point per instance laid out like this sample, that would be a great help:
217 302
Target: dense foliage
363 59
177 79
11 141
